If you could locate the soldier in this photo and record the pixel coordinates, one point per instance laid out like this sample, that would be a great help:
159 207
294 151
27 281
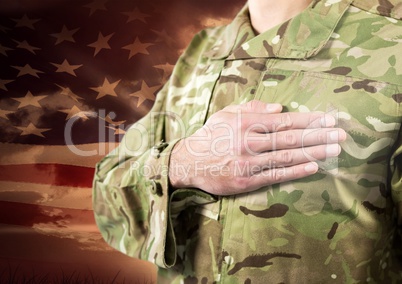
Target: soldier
273 154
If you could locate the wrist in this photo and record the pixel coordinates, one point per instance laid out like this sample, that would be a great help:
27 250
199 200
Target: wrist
179 169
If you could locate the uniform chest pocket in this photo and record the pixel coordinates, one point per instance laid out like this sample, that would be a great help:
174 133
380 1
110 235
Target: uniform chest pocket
368 110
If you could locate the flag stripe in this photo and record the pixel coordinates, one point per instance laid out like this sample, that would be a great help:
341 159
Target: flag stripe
46 195
56 174
81 155
69 90
15 213
30 254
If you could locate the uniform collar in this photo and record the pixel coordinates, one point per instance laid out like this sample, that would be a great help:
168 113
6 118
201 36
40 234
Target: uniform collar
236 33
389 8
299 38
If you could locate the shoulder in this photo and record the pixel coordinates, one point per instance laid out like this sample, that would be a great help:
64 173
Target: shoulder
204 41
387 8
369 41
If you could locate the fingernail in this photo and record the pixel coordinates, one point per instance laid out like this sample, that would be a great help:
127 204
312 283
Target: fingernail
273 108
328 121
311 168
334 135
333 150
337 136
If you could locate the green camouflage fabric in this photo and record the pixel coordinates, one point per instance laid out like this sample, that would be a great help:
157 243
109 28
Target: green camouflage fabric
340 225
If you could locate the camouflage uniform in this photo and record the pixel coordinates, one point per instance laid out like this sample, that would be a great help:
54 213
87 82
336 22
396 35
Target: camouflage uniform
340 225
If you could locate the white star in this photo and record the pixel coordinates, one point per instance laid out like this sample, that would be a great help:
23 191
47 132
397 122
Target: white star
146 93
109 120
4 29
75 111
167 70
3 84
137 47
135 15
96 5
4 113
164 37
26 22
101 43
33 130
66 67
117 130
25 45
67 92
107 89
27 70
65 35
4 49
29 99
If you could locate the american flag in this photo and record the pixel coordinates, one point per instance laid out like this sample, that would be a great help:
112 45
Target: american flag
74 75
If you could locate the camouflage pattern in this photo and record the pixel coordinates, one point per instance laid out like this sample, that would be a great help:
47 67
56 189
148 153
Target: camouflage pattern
340 225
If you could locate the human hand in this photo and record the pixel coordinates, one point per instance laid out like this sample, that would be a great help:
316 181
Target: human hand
245 147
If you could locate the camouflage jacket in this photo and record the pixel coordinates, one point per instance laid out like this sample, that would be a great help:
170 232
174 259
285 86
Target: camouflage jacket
340 225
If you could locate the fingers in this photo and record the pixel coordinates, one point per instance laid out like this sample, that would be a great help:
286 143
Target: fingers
279 175
286 158
298 138
290 120
255 106
268 117
269 177
280 166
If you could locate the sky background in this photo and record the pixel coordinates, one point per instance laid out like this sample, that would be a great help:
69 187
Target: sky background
73 76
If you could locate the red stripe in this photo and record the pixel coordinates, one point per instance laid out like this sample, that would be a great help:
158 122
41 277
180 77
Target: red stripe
56 174
22 214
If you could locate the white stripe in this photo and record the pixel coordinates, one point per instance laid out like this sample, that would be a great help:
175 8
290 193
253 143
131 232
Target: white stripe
46 195
80 155
88 235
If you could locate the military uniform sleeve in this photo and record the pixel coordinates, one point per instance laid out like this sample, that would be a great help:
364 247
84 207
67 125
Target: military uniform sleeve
396 178
134 206
130 191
